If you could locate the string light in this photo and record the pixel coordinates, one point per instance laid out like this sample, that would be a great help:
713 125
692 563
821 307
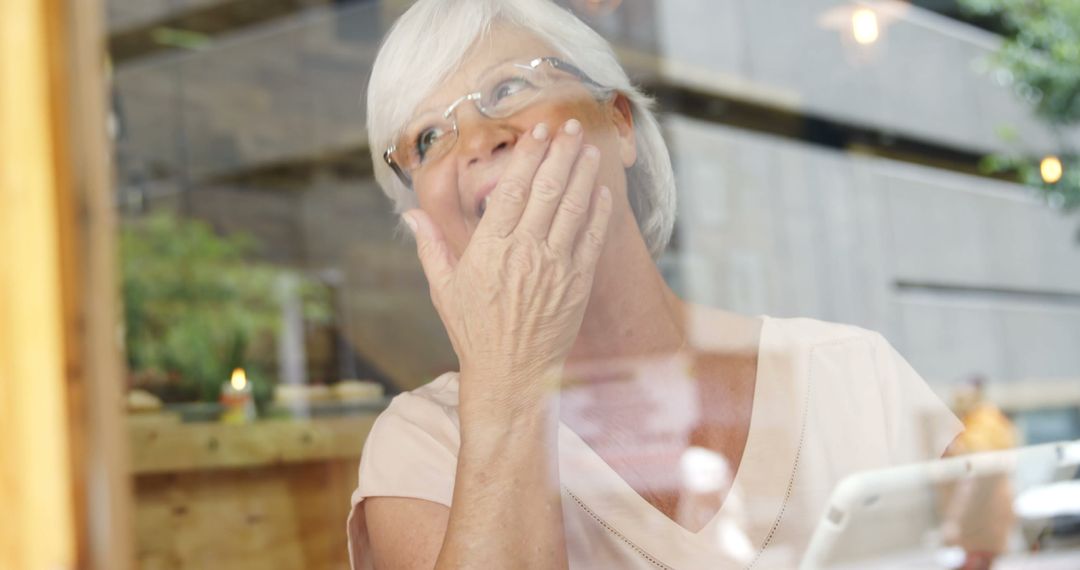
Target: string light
1051 169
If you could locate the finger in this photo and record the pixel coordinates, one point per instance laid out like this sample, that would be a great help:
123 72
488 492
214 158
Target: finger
512 191
573 210
434 253
550 181
592 239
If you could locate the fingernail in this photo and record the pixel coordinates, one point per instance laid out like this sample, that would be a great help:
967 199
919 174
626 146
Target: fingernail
540 132
410 221
591 151
572 127
605 192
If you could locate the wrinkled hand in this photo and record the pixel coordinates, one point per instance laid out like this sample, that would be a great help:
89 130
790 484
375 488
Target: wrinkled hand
513 303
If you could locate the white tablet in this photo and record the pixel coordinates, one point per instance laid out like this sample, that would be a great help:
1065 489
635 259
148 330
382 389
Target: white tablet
897 517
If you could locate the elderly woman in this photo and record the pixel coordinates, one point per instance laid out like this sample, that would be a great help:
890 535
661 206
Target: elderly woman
597 420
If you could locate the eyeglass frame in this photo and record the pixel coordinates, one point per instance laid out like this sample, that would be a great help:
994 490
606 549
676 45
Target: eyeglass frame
533 64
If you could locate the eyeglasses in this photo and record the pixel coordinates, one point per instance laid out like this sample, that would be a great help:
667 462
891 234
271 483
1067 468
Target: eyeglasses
504 90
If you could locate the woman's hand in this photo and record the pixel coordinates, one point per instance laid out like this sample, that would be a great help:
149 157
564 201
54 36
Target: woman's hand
513 303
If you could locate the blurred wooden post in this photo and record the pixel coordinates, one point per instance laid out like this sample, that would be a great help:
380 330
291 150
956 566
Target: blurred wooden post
64 489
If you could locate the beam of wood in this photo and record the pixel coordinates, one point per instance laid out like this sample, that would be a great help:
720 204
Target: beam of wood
63 476
284 517
96 372
38 529
201 447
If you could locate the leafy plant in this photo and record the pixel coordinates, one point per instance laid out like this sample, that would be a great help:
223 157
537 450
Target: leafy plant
1040 57
196 307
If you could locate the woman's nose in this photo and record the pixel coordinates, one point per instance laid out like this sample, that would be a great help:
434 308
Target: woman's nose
481 138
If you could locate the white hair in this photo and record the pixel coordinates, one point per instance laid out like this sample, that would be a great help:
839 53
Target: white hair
429 41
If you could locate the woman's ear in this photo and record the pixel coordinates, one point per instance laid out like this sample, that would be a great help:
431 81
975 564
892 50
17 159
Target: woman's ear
623 117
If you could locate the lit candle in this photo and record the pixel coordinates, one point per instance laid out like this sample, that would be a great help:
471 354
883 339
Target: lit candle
236 399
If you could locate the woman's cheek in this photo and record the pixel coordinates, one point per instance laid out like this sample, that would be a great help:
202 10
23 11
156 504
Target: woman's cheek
441 202
455 229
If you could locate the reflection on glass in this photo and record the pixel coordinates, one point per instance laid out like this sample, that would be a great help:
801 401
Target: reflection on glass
700 402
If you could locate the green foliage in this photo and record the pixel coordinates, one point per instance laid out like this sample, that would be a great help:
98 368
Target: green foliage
195 308
1041 59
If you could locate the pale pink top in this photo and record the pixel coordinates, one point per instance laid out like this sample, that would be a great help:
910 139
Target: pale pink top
829 400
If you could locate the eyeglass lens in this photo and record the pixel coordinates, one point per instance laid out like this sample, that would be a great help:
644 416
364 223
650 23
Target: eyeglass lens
504 90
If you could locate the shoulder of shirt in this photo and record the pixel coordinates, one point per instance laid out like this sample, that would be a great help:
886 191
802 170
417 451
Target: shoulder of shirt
428 412
810 332
438 395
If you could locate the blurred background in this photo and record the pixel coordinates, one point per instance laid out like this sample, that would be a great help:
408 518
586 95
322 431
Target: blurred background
909 167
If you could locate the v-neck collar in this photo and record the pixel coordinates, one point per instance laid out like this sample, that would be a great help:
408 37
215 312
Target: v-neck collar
762 479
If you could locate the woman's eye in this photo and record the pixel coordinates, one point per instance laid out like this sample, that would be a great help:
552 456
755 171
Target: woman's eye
509 88
426 140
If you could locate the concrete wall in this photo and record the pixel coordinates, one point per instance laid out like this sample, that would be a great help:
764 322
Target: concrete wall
295 86
923 78
962 274
286 90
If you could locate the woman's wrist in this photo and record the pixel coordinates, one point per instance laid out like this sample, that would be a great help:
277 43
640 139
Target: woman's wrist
500 410
525 435
502 391
517 416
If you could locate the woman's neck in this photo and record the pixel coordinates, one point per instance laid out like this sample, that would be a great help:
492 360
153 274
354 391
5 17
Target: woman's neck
632 313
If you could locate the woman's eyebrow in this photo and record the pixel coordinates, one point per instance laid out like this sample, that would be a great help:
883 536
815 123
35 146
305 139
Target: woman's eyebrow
440 107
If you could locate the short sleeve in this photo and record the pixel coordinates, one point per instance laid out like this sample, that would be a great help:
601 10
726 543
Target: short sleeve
411 451
919 425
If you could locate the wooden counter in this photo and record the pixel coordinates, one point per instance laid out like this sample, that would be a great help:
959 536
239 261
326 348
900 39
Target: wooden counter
267 495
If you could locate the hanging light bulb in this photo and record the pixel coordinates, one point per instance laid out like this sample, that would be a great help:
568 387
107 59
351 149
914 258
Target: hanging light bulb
864 26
